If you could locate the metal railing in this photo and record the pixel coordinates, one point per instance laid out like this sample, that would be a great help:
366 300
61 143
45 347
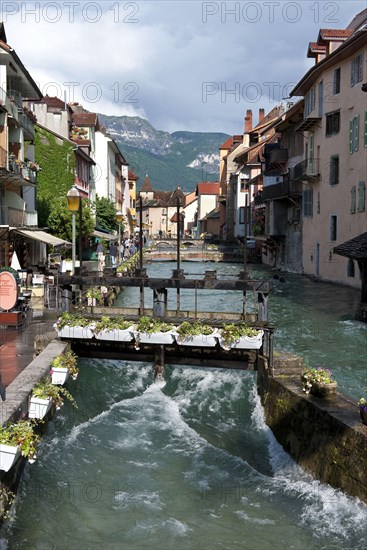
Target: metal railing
308 168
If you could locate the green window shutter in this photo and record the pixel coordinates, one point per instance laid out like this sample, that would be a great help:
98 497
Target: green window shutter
365 129
353 200
361 196
356 135
351 136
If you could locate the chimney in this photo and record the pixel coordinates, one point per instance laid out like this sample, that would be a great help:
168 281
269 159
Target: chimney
261 115
248 121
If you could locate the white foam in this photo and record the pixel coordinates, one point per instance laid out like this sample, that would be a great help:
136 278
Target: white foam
145 499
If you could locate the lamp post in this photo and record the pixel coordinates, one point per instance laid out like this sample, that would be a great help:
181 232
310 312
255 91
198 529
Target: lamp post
73 198
119 218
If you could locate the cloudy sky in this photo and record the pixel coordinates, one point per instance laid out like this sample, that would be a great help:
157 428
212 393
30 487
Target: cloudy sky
183 65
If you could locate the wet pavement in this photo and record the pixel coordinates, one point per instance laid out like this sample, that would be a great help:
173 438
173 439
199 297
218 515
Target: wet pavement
17 344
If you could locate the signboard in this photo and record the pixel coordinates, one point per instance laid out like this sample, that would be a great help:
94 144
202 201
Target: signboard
8 290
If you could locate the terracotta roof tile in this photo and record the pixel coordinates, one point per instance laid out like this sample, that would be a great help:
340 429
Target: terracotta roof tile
334 34
207 188
132 175
85 119
147 185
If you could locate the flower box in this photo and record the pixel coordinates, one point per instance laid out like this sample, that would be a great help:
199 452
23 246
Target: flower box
9 454
59 375
155 337
321 389
363 413
244 342
199 340
38 408
75 332
116 335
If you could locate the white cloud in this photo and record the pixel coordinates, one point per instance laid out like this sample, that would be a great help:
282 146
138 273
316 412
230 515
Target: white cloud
158 66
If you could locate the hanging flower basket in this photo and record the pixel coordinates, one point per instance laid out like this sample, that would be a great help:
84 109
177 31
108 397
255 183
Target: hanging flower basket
62 367
59 375
9 454
38 407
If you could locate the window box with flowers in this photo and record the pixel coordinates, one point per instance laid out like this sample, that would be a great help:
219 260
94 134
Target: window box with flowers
74 326
240 336
196 334
152 331
62 367
116 330
16 439
44 395
319 382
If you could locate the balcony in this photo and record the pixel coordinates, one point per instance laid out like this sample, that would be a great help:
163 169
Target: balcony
278 156
308 123
308 169
18 218
12 103
285 189
15 172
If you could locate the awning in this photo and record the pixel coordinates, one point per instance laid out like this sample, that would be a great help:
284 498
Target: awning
42 236
102 235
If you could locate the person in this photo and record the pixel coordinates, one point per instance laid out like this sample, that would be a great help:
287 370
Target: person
113 254
62 266
160 233
100 256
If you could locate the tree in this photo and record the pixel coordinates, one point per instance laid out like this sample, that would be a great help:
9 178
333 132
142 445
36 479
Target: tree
106 214
59 220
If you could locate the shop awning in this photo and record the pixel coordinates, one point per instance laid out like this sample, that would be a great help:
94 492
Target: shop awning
42 236
101 235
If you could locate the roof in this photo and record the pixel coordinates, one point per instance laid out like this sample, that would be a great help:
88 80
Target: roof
132 175
345 50
355 248
207 188
228 144
85 119
174 217
53 102
147 185
358 20
334 35
314 48
2 33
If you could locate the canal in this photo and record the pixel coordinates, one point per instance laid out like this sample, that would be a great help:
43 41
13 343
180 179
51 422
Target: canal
189 463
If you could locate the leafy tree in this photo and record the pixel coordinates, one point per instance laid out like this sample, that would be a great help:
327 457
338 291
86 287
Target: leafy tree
60 220
106 214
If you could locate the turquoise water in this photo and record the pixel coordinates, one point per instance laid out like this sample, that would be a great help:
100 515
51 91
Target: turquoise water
189 463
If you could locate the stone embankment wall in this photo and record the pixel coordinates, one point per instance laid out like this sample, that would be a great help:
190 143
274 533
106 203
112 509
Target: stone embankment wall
325 437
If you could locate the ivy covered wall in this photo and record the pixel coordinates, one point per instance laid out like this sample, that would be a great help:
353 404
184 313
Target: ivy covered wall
57 160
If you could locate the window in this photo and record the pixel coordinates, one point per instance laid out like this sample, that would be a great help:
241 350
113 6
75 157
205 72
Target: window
318 203
350 268
354 134
361 196
333 227
242 215
310 101
332 123
356 70
321 98
307 203
336 84
334 169
353 200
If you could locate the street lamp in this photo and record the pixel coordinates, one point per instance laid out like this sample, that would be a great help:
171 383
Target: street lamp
73 198
119 218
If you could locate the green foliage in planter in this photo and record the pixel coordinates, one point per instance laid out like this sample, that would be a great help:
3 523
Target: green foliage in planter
72 320
67 360
187 329
20 433
129 264
312 375
233 332
45 389
94 292
150 325
115 323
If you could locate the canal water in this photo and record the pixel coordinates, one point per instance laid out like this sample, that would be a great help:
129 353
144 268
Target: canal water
189 463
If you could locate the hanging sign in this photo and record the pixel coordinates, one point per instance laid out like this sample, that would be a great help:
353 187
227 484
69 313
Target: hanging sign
8 290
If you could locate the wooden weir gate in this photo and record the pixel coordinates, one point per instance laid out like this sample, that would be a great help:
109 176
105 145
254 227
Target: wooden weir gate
254 312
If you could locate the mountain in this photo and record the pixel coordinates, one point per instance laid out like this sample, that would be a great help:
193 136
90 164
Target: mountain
180 158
